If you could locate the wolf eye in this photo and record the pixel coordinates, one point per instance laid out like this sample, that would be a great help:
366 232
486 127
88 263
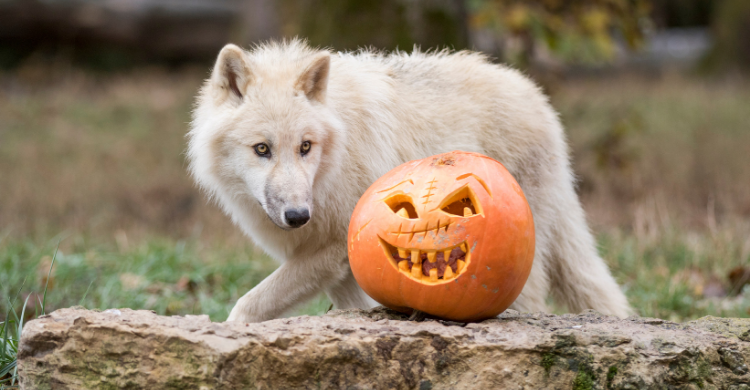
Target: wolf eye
262 150
305 147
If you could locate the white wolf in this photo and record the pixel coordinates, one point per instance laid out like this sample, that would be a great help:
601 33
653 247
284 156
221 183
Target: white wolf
286 139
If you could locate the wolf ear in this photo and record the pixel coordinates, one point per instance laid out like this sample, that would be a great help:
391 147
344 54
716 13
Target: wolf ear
314 80
231 75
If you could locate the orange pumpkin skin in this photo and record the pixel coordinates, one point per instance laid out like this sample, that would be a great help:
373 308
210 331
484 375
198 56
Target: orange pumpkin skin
460 202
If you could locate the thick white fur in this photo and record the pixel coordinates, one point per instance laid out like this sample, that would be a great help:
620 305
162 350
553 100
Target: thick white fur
365 113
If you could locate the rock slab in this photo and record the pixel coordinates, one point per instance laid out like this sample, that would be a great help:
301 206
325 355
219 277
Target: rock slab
379 349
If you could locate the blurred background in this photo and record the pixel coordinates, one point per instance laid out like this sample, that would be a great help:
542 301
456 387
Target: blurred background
95 100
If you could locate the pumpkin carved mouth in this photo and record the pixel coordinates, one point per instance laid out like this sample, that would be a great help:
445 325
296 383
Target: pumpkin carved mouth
429 266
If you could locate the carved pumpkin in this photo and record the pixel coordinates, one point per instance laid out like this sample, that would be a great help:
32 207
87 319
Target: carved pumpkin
451 235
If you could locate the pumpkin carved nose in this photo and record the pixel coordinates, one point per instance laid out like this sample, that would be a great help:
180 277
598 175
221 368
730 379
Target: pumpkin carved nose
297 217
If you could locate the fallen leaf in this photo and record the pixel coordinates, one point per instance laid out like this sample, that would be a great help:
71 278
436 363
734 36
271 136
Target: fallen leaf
738 278
185 283
43 270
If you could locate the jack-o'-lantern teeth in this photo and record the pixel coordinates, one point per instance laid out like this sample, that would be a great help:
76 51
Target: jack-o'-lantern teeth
429 266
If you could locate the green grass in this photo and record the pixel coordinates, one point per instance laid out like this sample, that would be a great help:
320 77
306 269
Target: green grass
10 334
11 329
670 277
664 278
168 277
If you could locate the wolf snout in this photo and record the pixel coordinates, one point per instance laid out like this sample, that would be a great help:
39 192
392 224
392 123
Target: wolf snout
297 217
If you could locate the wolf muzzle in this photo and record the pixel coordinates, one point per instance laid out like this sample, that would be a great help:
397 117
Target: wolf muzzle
297 217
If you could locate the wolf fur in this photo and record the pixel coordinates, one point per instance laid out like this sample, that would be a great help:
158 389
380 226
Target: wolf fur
364 113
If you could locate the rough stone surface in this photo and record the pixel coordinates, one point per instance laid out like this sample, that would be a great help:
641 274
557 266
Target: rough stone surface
378 349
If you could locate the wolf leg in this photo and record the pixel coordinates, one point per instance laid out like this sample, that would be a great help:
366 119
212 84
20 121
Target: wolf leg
347 294
295 281
580 279
534 295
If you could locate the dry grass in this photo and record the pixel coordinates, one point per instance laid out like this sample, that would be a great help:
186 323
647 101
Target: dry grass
99 158
100 155
655 154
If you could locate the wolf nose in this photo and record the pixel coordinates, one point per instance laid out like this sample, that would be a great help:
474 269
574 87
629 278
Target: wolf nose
297 217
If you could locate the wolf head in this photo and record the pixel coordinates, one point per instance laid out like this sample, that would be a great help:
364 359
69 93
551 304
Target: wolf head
262 132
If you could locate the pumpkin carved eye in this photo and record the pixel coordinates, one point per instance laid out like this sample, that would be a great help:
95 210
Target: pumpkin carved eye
462 203
403 206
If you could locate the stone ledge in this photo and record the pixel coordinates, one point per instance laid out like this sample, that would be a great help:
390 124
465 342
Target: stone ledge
378 349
